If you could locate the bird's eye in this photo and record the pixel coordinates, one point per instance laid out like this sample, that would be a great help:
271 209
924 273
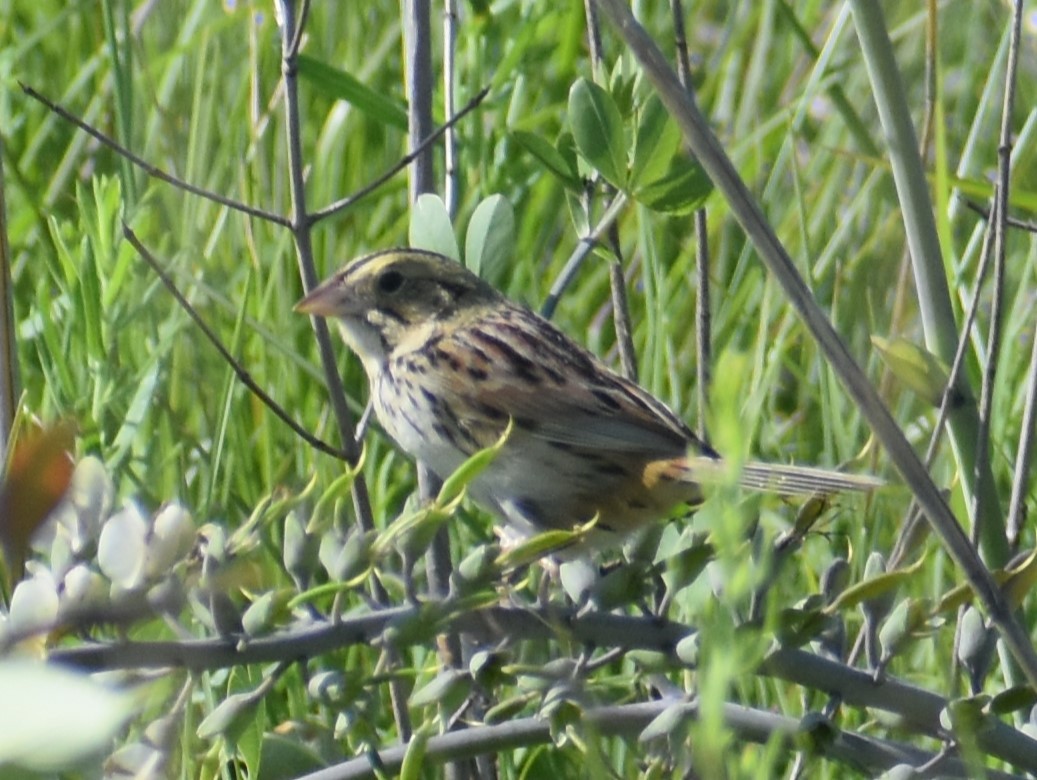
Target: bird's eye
390 282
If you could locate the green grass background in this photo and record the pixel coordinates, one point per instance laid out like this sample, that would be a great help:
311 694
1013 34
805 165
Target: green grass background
193 87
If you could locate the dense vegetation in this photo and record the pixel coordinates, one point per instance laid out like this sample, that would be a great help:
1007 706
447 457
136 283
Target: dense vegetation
279 603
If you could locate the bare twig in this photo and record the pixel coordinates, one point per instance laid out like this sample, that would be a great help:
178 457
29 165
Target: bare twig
621 318
240 371
629 720
917 709
152 170
344 203
1020 480
999 226
417 42
451 171
584 248
983 211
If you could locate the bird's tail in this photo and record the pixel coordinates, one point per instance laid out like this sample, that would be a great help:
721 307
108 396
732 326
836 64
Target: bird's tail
781 479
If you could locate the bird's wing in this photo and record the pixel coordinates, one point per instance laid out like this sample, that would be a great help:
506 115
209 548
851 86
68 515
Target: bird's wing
510 363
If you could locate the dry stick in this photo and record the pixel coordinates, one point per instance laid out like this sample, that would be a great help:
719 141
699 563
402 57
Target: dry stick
405 161
917 709
451 172
1000 223
587 243
993 356
301 227
278 219
720 169
703 316
1010 221
903 545
862 752
300 26
593 38
703 323
152 170
417 40
418 62
621 317
243 375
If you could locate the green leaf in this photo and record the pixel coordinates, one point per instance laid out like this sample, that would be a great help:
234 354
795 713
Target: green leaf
915 367
266 612
658 139
284 758
598 130
683 189
536 547
476 463
414 758
667 723
875 587
430 227
339 84
490 239
507 709
578 578
90 294
688 649
447 688
230 718
550 157
1018 698
140 407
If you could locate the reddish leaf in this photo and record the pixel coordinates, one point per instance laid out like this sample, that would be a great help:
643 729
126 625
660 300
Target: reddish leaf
38 473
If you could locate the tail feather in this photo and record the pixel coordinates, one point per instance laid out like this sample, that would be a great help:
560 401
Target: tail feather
782 479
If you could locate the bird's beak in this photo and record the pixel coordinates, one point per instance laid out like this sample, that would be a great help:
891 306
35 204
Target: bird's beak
324 300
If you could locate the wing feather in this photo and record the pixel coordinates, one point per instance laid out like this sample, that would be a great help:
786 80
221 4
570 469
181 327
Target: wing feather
556 390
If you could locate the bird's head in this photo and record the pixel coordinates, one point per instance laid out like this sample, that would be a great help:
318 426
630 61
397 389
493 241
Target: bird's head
395 298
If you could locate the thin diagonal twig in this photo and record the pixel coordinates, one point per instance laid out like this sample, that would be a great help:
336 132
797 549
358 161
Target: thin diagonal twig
152 170
584 248
1010 221
343 203
240 371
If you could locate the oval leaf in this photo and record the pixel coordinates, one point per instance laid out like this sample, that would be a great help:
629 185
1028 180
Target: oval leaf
869 589
549 157
490 240
469 470
915 367
657 140
430 227
598 129
683 189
